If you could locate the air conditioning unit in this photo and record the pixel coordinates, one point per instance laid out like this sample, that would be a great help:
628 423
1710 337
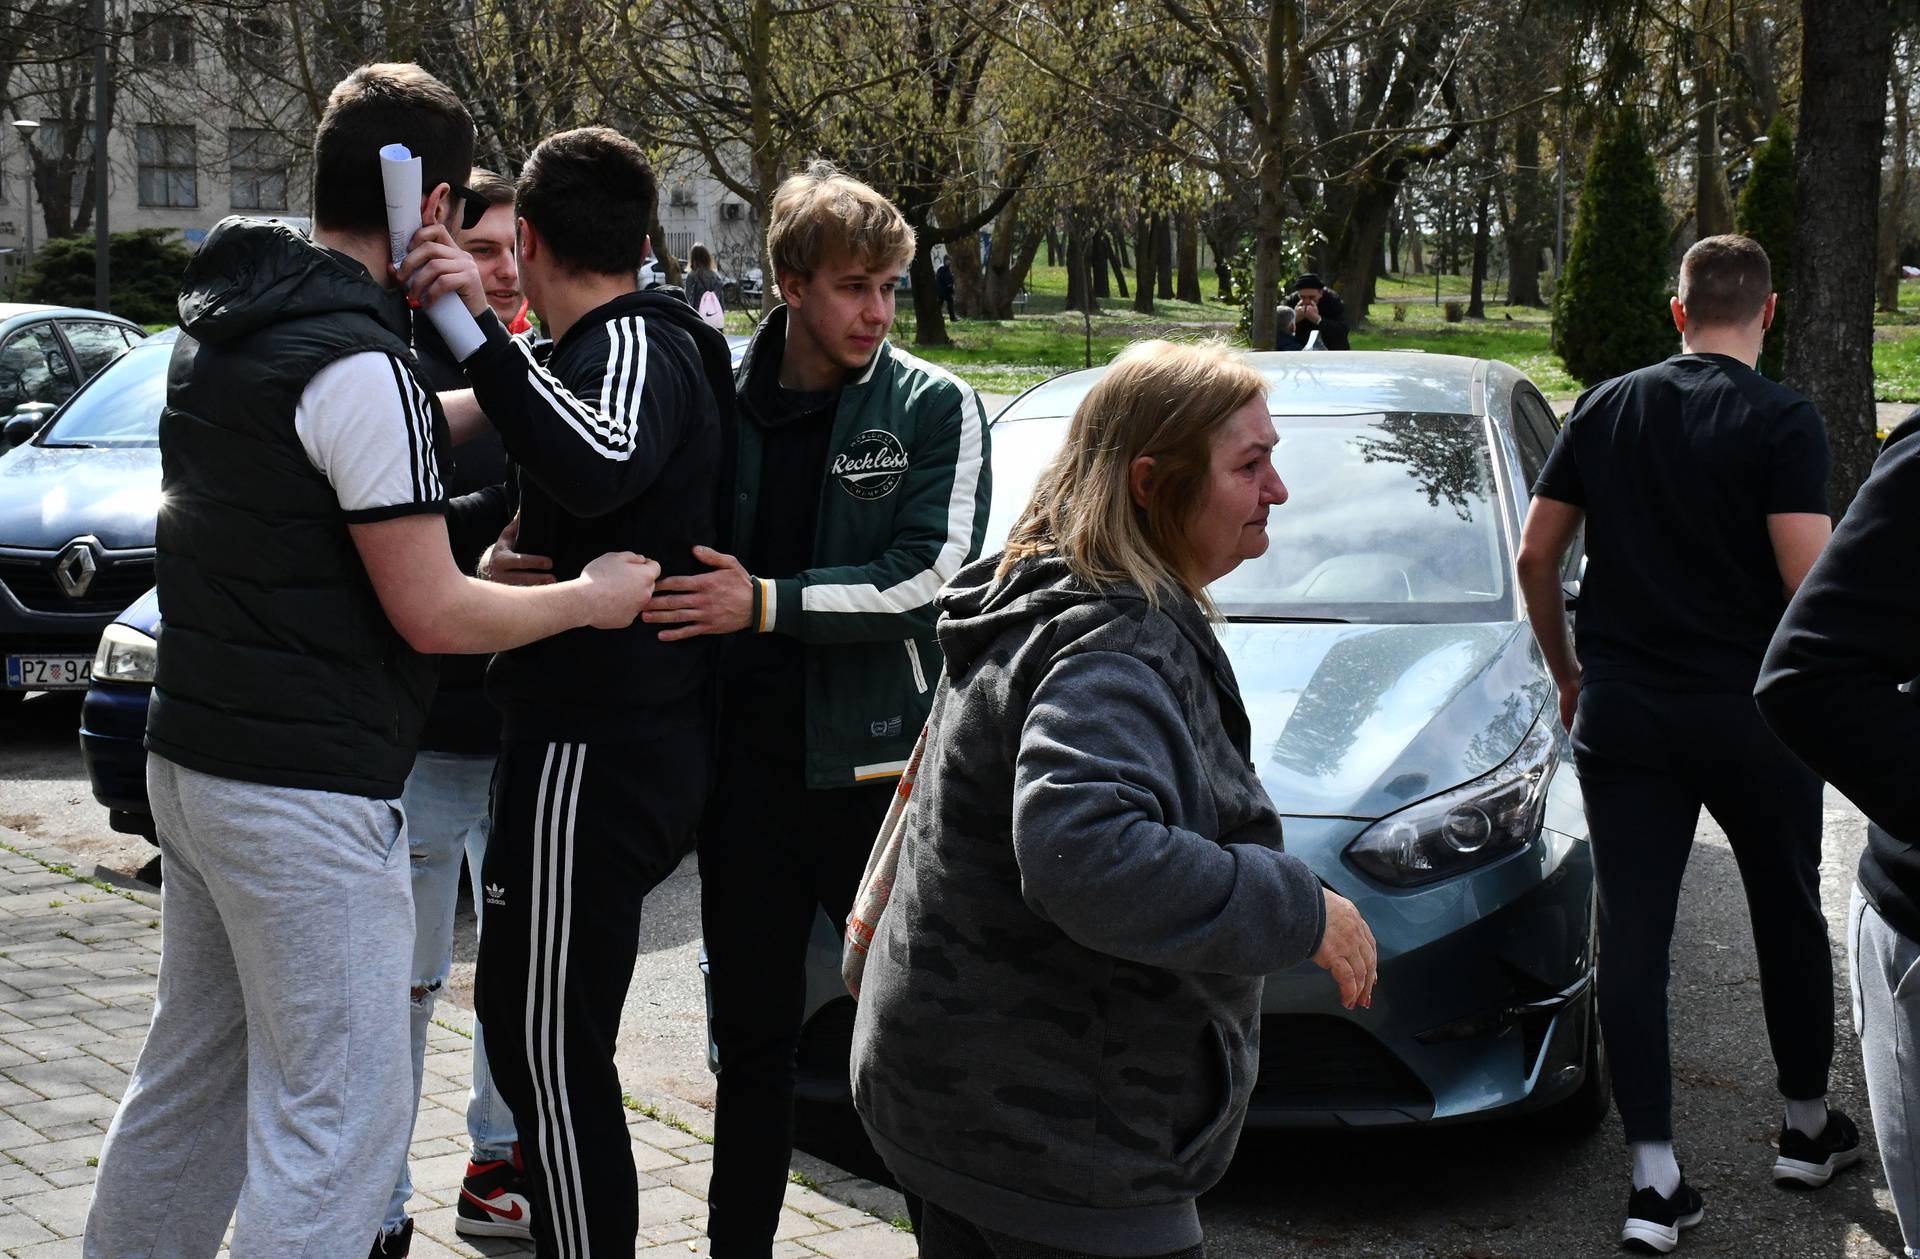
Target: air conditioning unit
733 211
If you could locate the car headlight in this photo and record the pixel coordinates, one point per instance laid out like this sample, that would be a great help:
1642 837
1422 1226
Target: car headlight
1469 826
124 655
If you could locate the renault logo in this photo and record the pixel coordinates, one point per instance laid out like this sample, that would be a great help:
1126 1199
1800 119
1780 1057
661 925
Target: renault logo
76 565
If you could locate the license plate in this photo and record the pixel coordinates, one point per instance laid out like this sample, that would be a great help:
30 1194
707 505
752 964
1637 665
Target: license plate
48 673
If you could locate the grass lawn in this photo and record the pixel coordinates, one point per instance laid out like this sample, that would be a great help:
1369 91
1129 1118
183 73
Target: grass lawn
1045 339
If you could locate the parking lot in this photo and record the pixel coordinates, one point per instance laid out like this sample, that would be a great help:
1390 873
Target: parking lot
1462 1193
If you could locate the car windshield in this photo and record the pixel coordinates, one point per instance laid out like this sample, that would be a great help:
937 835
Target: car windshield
1389 518
119 407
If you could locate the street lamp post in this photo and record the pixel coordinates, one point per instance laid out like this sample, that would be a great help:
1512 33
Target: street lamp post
26 127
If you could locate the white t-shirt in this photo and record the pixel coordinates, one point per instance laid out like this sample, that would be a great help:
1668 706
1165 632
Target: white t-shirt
368 427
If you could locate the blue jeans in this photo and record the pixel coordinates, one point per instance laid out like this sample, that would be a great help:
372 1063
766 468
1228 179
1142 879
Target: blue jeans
446 805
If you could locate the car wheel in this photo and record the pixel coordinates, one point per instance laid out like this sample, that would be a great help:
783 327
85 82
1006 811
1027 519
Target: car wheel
1579 1115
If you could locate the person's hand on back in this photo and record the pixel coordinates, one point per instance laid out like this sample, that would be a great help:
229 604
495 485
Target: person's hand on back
618 585
502 563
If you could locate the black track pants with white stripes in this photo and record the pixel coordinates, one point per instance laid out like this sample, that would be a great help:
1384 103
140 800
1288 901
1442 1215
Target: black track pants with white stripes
581 833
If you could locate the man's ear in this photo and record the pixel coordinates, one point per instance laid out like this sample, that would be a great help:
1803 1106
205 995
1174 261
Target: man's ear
1768 311
437 205
1679 313
793 288
527 240
1140 480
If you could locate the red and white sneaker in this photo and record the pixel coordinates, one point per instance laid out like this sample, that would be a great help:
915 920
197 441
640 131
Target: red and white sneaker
493 1200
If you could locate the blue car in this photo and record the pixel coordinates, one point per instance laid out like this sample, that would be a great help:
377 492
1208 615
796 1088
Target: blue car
1406 727
77 508
113 718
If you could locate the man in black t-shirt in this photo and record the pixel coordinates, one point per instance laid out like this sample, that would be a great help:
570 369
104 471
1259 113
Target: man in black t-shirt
1703 488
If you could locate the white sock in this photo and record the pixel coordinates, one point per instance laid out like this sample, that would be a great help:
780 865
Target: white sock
1654 1164
1809 1119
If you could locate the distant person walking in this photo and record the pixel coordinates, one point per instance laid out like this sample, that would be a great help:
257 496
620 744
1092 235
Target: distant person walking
1058 1025
1703 488
701 278
944 278
1831 689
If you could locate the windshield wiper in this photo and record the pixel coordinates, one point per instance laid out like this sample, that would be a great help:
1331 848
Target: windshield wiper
1255 619
69 446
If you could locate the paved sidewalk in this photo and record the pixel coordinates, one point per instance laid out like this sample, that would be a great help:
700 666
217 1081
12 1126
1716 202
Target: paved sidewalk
77 968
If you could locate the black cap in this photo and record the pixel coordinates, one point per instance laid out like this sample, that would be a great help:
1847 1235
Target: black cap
1308 281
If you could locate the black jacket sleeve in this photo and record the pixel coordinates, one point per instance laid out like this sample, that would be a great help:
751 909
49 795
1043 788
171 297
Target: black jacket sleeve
1851 637
475 520
596 441
1333 322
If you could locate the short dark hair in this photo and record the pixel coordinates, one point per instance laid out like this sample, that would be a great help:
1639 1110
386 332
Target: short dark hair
1725 281
376 105
494 189
591 195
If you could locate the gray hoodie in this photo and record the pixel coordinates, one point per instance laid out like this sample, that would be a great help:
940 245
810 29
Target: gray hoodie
1059 1023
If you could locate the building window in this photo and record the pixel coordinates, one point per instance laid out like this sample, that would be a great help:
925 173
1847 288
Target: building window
167 161
162 39
50 141
257 162
256 40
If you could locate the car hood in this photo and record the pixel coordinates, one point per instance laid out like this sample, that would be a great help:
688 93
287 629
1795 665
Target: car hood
1361 720
50 495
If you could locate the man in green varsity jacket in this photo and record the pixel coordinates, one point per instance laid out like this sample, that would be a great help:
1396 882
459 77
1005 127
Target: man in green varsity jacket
860 487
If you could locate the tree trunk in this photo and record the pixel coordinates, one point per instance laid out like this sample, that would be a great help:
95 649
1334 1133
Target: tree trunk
1393 245
1712 207
1054 249
1097 267
1163 256
1477 295
969 281
1079 270
929 321
1008 262
1893 215
1529 205
1186 286
1846 53
657 243
1271 222
1144 264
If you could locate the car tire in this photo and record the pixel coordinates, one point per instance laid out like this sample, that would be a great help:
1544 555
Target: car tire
1583 1112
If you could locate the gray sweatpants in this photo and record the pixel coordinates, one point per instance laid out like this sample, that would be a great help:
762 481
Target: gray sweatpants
1886 1013
276 1074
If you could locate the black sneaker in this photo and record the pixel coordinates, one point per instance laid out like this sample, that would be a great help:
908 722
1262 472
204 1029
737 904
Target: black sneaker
494 1201
394 1247
1812 1161
1654 1223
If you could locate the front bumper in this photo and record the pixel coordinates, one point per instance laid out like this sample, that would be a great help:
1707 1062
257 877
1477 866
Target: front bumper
113 727
1483 1007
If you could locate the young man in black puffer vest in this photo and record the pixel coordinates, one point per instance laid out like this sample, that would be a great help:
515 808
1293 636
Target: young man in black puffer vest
306 578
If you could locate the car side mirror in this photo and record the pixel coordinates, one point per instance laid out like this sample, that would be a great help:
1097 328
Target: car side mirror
23 424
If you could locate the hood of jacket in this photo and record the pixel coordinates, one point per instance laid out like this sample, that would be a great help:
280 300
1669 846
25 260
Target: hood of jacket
978 607
252 273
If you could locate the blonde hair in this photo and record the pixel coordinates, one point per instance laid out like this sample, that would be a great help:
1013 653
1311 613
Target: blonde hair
1167 402
823 211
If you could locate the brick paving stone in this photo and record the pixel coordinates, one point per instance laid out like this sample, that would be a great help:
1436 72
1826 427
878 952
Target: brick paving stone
62 1211
77 968
869 1241
77 1108
21 1230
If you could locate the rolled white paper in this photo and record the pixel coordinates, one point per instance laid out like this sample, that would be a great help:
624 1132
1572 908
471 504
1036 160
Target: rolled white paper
400 177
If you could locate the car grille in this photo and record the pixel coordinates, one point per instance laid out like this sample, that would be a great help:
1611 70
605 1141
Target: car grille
116 584
1318 1062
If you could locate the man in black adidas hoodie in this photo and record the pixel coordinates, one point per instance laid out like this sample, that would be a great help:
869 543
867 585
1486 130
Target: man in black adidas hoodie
604 757
1836 687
